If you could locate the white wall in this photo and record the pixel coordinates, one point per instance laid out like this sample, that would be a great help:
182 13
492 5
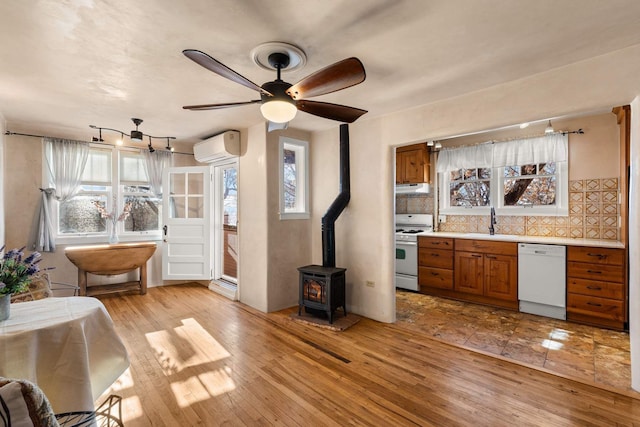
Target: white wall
634 246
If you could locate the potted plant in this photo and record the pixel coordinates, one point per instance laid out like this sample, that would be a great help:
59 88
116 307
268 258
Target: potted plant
16 272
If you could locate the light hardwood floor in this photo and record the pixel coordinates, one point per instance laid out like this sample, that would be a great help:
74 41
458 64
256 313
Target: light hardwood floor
200 359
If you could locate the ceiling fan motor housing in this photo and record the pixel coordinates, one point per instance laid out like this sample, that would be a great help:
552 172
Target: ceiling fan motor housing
279 90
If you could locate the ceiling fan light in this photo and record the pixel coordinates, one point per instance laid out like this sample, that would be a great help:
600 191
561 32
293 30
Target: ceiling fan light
278 111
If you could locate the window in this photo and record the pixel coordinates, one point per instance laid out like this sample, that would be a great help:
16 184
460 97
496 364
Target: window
530 185
511 183
79 216
470 187
146 208
294 179
112 178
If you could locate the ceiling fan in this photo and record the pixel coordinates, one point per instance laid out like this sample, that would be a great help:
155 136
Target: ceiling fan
280 100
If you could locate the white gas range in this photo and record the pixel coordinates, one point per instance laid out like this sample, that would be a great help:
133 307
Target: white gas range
408 228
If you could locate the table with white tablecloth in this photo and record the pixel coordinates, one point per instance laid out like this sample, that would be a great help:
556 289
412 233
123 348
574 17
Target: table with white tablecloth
67 346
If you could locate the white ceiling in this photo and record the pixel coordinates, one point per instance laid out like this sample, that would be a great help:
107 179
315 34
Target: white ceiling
66 64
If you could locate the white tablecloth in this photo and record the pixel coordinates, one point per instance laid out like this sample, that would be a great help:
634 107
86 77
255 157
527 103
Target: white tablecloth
67 346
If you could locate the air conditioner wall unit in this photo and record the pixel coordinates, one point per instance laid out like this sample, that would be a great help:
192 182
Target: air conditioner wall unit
225 145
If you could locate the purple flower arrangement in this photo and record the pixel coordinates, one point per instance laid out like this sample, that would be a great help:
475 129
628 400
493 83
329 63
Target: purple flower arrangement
16 271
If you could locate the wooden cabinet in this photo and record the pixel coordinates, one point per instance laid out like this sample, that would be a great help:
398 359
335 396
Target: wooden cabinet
471 270
596 286
412 164
435 263
488 269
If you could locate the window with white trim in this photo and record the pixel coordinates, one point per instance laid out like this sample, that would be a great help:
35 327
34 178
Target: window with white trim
511 184
294 178
112 177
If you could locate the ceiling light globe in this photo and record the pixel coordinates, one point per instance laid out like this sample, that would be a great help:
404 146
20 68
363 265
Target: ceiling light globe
278 111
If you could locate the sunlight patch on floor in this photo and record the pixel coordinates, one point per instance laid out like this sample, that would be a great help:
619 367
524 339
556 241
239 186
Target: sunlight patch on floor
185 346
203 387
131 409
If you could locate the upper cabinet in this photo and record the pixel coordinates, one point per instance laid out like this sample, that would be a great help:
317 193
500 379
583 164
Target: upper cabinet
412 164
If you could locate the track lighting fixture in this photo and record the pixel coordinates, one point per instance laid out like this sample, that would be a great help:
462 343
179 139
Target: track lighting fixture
169 147
135 135
438 145
430 143
549 128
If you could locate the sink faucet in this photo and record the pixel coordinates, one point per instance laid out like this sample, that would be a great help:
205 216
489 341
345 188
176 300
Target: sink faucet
492 221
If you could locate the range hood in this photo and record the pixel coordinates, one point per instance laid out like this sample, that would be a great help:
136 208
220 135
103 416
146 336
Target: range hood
413 188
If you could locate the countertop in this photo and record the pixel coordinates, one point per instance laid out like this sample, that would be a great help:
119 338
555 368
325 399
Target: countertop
530 239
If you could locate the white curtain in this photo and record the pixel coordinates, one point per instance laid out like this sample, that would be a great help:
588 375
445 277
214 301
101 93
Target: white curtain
475 156
155 164
65 161
543 149
42 237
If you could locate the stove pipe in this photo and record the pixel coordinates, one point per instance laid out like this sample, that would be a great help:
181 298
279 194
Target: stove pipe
338 205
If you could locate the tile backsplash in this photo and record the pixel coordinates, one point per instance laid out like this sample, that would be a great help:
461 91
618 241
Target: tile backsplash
593 214
414 203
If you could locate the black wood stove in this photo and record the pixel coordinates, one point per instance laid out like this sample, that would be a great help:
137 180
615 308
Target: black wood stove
322 290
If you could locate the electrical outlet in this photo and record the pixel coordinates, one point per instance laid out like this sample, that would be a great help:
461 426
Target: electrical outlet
371 283
442 219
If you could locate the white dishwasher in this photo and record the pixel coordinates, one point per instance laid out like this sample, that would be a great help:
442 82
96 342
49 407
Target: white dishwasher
542 280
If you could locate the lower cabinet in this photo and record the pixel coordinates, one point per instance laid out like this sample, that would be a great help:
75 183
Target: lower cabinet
596 286
479 271
487 269
435 263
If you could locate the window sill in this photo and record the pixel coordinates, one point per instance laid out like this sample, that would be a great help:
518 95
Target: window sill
294 215
510 211
91 239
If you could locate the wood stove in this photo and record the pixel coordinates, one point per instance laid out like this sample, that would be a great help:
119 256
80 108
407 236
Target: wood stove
322 290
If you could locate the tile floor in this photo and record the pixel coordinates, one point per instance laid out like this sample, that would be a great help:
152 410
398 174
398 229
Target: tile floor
583 352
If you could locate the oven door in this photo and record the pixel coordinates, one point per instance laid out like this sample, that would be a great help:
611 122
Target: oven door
407 265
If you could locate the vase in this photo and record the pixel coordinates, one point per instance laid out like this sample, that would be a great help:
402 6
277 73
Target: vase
5 306
113 233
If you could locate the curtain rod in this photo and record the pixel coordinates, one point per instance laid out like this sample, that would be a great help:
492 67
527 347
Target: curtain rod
99 143
492 141
560 132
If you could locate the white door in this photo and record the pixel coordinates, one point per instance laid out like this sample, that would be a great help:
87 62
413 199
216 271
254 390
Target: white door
225 221
186 246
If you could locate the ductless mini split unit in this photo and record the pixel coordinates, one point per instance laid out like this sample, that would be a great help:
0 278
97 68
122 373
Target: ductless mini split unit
223 146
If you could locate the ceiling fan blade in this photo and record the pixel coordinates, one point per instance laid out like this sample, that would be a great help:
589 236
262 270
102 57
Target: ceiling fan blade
338 112
271 126
341 75
219 106
219 68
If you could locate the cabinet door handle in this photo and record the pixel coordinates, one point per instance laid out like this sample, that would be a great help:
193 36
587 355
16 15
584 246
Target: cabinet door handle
594 271
595 304
595 288
599 256
476 256
435 255
434 273
491 256
435 243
